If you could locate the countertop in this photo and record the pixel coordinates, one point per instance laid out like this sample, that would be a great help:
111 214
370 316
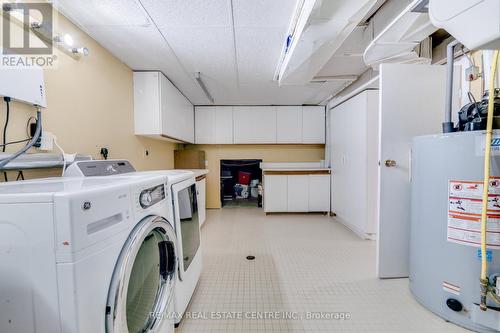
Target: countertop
198 172
296 169
302 167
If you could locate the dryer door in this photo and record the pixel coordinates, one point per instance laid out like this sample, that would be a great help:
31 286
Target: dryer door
186 223
143 280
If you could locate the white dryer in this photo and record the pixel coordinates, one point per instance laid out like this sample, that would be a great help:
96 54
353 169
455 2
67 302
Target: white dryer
181 185
81 255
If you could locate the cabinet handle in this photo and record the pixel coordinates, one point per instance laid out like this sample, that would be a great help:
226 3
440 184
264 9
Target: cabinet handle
390 163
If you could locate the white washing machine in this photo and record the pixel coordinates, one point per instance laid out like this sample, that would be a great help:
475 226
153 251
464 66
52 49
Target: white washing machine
80 255
181 185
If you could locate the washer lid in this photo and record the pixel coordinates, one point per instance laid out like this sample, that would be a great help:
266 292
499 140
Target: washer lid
143 281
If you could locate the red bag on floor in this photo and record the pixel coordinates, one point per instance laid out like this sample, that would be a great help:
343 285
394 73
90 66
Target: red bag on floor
244 177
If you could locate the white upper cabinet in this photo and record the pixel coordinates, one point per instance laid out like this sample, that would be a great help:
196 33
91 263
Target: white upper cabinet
214 125
224 125
160 109
289 124
260 124
313 124
204 125
254 124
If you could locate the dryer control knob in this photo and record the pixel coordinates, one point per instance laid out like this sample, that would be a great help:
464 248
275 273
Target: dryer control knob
145 199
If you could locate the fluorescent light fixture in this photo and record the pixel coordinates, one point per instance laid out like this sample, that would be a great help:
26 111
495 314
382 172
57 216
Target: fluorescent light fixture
297 26
197 77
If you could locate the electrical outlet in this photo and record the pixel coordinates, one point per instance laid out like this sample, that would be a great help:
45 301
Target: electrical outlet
46 141
472 73
98 147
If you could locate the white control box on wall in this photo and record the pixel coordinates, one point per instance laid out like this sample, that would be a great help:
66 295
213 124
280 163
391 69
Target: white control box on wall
23 84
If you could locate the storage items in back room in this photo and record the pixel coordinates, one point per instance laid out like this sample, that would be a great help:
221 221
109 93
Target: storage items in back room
239 182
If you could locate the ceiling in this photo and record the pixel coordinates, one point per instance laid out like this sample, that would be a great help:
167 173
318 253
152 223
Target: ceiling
234 44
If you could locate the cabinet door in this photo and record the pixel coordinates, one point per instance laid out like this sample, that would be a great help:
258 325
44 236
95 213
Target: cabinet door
177 113
275 193
254 124
319 193
298 193
147 103
313 124
205 130
224 125
349 162
289 124
201 196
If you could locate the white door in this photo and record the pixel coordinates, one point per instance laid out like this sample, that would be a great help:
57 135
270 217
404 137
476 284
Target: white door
275 193
411 104
298 193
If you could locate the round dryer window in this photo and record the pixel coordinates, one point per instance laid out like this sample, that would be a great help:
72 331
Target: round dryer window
143 280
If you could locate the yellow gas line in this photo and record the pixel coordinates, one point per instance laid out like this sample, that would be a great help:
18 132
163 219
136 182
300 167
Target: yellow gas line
486 183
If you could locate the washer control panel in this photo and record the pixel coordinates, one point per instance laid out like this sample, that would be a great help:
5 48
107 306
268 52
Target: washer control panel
151 196
99 168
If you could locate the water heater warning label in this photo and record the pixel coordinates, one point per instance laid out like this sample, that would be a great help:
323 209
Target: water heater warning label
464 213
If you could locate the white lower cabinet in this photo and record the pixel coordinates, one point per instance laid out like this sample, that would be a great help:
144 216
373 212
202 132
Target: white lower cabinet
276 193
319 193
201 197
296 193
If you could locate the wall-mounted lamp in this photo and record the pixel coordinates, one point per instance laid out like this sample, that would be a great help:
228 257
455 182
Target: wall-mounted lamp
80 51
64 42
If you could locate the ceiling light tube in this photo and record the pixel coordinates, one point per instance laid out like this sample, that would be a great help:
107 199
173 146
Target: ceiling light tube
297 26
197 77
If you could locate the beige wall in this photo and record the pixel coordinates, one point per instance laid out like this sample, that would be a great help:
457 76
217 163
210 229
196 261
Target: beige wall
90 105
268 153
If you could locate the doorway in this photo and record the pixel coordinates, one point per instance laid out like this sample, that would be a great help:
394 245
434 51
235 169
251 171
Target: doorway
240 181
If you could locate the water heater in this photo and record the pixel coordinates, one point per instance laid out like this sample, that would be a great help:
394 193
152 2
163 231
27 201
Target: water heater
475 23
445 256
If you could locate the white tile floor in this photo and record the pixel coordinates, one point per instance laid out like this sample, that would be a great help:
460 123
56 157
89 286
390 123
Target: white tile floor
304 264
